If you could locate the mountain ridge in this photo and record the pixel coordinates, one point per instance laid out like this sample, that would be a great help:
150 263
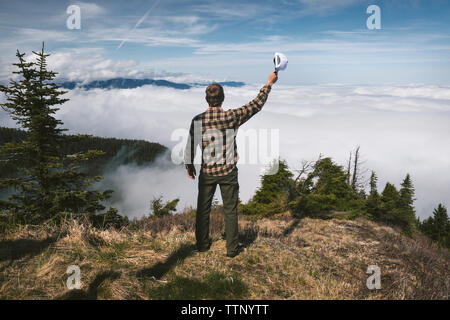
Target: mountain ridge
129 83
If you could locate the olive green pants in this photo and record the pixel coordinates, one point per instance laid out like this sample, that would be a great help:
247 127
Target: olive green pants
229 188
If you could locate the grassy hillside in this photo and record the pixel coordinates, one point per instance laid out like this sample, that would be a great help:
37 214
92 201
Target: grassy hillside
285 258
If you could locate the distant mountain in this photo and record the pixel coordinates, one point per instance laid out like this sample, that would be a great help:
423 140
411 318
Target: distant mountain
124 83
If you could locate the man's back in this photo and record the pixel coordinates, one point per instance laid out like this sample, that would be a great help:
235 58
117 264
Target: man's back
216 130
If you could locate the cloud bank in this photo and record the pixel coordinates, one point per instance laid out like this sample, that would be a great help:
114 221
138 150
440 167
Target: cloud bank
401 129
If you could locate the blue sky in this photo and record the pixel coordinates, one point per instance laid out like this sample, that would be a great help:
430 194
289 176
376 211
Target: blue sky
326 41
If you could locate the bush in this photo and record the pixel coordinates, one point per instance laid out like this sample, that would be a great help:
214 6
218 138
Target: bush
160 209
323 190
272 196
313 204
109 219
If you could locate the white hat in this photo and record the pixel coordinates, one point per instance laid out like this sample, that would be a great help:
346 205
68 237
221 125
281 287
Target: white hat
280 61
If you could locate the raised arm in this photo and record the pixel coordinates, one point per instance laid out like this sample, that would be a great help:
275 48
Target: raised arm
247 111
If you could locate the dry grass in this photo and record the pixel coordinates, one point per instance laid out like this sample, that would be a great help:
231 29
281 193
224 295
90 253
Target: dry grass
285 258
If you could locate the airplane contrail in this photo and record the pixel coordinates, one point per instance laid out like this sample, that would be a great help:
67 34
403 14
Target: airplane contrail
139 22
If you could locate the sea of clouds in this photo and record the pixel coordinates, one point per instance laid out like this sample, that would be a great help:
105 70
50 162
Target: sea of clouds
401 129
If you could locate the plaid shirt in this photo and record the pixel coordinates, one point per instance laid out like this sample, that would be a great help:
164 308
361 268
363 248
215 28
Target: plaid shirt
215 129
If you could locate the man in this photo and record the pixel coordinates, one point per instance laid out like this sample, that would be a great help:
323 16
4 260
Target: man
215 129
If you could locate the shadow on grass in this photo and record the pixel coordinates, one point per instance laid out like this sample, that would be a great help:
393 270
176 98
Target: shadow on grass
291 227
214 285
161 268
17 249
92 291
248 236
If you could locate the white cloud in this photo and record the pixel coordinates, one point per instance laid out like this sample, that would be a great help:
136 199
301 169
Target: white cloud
134 188
90 64
321 7
153 30
87 64
231 11
90 9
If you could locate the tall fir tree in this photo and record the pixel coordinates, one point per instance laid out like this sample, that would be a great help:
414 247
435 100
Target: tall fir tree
442 225
373 200
272 196
397 206
406 199
437 227
405 213
46 182
274 185
389 200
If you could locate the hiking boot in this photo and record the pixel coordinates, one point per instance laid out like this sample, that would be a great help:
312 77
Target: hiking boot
204 248
235 253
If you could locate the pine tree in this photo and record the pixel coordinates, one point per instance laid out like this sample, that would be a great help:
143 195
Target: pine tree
406 199
437 227
389 200
332 179
274 185
160 209
373 184
441 225
47 182
326 189
427 227
405 214
272 196
397 206
373 200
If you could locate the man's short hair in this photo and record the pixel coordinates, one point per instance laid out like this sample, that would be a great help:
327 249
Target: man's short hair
214 95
